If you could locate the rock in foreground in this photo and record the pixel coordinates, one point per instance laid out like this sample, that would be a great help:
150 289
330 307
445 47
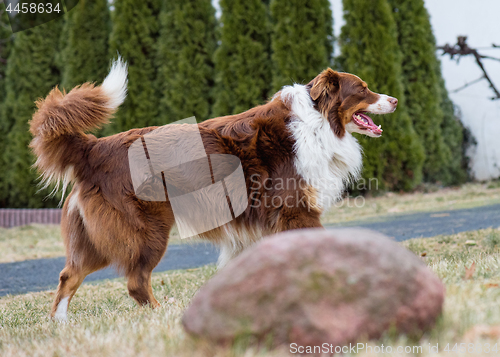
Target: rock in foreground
317 286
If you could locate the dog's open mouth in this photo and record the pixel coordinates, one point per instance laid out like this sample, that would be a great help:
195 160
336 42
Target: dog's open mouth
366 123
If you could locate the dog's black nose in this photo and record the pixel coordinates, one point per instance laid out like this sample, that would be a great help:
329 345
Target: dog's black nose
393 101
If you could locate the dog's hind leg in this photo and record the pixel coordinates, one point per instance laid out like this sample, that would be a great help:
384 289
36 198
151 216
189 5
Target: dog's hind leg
139 287
139 274
69 281
81 260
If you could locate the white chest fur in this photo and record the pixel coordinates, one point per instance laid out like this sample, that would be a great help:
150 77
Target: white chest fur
326 162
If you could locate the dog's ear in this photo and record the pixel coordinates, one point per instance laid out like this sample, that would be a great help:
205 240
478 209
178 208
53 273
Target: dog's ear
326 83
325 91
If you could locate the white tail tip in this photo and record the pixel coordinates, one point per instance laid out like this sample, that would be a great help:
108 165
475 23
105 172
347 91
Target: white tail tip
115 84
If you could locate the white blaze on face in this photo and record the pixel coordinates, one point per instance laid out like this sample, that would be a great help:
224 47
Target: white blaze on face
62 310
382 106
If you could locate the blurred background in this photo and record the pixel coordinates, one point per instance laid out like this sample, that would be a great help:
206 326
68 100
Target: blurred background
212 58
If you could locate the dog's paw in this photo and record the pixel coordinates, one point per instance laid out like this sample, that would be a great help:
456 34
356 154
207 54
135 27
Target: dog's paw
61 314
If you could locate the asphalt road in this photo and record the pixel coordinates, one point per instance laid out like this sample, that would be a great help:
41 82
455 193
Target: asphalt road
43 274
430 224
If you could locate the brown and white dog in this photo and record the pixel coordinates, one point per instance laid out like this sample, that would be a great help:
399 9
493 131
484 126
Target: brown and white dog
303 134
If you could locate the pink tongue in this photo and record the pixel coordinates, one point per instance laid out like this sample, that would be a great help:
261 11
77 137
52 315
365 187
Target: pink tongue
370 123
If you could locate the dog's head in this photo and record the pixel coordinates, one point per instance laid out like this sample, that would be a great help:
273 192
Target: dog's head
344 99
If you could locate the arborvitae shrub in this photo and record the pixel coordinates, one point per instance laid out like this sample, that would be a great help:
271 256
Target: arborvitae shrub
134 36
31 73
242 61
185 59
85 54
5 46
421 79
457 138
370 50
301 40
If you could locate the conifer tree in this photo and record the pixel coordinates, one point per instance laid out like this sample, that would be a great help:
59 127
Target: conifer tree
242 61
369 49
421 79
185 59
84 52
31 73
5 46
301 40
134 36
456 137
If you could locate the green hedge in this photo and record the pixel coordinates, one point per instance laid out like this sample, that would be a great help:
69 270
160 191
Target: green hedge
421 79
84 44
301 41
370 49
185 59
134 36
242 61
31 73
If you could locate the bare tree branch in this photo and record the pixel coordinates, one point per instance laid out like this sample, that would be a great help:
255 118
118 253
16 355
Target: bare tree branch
461 48
489 57
468 84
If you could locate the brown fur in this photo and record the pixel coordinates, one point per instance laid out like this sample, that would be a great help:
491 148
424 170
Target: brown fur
338 96
104 222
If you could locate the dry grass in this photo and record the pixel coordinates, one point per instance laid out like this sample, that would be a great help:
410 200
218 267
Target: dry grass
466 196
30 242
44 241
103 320
469 265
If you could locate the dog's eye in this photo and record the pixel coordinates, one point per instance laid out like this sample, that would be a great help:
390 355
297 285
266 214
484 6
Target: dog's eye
363 90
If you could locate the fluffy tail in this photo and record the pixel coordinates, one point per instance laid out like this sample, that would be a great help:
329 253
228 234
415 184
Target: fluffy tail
59 125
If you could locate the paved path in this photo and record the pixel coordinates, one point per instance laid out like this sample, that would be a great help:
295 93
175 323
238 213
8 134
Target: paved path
42 274
430 224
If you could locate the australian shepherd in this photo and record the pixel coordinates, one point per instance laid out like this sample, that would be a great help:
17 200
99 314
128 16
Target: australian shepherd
303 134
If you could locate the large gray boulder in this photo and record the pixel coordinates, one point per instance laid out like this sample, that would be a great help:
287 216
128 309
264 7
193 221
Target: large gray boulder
314 286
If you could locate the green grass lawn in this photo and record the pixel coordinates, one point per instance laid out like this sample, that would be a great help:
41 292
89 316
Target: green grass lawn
104 321
37 241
